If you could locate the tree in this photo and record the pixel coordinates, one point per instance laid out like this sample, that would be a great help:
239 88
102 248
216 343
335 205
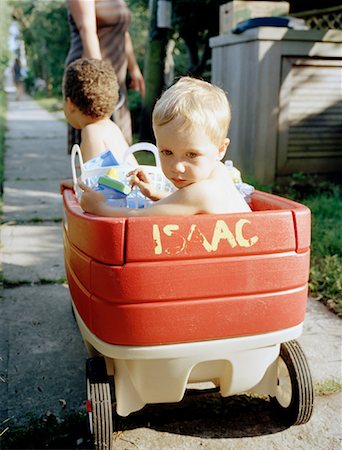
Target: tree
4 53
45 32
153 69
195 21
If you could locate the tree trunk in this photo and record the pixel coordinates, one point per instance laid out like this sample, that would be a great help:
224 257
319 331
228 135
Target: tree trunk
153 71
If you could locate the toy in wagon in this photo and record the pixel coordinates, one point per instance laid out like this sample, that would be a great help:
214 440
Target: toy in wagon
104 174
162 302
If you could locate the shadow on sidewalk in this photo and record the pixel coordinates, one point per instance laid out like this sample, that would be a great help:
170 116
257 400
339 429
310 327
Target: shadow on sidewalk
207 416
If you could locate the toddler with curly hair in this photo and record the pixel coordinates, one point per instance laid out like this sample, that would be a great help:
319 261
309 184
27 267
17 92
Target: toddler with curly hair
90 91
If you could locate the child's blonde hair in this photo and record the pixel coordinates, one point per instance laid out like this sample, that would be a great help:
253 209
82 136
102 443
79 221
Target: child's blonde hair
195 103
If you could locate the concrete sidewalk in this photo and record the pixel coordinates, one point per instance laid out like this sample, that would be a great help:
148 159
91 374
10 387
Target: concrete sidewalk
42 357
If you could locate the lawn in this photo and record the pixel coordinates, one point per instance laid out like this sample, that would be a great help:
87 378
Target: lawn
51 104
324 198
326 248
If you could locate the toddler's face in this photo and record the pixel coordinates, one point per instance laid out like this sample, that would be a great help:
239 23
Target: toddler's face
188 156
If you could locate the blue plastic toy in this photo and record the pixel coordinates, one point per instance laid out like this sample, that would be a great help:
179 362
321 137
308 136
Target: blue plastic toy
105 159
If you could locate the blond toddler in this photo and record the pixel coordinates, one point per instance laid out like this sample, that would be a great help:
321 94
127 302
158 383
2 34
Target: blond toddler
190 123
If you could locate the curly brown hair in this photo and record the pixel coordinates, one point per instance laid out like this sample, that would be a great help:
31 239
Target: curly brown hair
92 86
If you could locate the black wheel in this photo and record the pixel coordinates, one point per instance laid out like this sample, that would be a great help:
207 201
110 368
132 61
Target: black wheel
99 403
295 394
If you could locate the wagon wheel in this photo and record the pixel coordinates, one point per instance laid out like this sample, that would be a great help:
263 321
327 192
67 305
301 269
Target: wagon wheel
294 394
99 404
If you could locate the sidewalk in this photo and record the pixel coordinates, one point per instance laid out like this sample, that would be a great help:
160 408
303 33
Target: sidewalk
42 357
41 352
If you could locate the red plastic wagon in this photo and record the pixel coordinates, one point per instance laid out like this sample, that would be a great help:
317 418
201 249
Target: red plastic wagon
162 302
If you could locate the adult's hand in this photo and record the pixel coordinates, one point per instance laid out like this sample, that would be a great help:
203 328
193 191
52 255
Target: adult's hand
137 80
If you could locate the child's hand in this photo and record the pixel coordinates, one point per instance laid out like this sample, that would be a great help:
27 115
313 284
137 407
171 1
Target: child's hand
140 178
65 184
91 201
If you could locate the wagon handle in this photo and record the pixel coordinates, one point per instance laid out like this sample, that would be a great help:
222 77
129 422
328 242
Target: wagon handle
143 146
76 151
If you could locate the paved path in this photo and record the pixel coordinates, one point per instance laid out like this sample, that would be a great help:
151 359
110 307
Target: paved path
41 352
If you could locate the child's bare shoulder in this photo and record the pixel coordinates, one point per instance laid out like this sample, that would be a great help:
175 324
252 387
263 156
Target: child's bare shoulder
91 129
103 129
198 196
111 129
218 195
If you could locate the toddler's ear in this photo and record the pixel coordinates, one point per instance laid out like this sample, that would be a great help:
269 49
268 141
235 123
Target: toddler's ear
70 105
223 148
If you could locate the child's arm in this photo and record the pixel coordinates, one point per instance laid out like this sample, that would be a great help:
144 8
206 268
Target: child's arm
91 144
66 184
180 202
94 142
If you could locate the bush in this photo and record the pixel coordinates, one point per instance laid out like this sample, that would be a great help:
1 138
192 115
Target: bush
45 31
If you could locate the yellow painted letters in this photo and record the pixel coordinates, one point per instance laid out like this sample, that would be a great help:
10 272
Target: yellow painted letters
221 232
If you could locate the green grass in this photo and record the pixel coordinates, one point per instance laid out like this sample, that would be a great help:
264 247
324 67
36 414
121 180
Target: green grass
324 198
51 104
327 387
